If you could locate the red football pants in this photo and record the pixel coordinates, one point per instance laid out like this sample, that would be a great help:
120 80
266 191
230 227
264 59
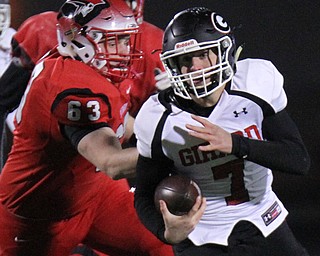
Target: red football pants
109 224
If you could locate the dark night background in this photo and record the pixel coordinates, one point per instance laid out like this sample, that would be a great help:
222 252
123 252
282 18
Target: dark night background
287 32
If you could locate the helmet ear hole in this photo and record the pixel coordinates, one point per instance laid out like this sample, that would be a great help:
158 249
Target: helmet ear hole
77 44
84 49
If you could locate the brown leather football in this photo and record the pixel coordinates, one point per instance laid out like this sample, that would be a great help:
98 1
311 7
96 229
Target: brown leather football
179 192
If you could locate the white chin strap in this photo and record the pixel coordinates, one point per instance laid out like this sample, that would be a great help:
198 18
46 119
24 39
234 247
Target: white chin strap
237 54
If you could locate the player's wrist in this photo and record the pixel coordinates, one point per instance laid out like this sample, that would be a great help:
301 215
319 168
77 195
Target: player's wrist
173 237
240 147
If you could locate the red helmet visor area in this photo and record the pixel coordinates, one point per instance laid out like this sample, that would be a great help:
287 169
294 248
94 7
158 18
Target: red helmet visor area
115 52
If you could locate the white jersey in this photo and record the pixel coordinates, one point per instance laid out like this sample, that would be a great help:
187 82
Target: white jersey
5 49
236 189
5 59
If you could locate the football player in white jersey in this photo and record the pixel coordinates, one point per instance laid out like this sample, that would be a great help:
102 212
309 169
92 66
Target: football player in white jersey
6 34
223 124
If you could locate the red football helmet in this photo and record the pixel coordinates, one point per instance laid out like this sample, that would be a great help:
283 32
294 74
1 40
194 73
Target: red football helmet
86 28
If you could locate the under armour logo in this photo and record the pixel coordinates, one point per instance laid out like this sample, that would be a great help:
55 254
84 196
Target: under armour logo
244 111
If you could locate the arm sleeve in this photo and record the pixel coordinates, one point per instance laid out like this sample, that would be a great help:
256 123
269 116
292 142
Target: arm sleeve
149 174
74 134
12 86
283 150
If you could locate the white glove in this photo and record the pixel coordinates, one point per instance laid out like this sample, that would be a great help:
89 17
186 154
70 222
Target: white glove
162 80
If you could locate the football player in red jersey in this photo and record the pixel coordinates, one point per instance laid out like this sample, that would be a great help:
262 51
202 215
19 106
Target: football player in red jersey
62 184
223 124
33 40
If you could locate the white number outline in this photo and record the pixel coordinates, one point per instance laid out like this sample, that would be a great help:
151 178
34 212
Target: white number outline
35 73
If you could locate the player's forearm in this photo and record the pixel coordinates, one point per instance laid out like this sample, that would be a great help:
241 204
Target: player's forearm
283 151
149 173
285 156
122 164
103 149
148 215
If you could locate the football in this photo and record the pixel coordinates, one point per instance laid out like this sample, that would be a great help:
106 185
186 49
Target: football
179 192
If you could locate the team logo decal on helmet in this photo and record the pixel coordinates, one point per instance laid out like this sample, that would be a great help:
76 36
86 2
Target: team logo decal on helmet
84 11
219 23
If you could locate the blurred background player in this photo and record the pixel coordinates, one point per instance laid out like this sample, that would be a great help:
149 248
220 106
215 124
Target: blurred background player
144 83
35 37
58 180
6 33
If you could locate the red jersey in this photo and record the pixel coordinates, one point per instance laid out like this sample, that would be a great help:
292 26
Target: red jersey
34 38
45 177
143 83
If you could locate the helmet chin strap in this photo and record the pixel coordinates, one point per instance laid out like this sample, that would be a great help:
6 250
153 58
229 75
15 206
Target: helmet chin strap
238 52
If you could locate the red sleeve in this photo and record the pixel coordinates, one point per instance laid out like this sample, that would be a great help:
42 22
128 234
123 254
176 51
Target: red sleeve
35 37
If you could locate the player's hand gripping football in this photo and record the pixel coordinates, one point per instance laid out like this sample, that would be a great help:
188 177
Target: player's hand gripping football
179 227
218 138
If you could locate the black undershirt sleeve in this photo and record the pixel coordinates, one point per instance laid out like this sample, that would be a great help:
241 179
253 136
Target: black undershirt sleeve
282 150
74 133
13 83
149 173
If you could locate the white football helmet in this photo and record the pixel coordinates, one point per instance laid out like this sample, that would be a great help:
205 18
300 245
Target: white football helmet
83 25
193 30
5 15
